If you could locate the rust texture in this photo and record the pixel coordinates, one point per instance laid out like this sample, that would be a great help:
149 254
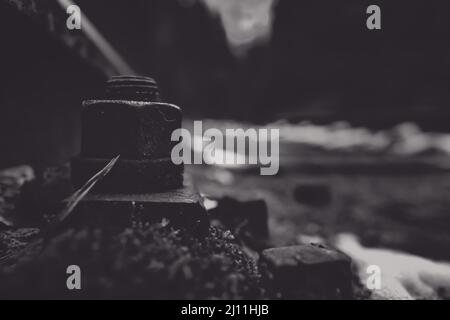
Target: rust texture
133 122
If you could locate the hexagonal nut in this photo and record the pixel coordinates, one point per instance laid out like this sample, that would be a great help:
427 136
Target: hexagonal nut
135 130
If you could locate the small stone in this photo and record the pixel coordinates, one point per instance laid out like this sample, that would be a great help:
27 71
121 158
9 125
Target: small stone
313 194
307 272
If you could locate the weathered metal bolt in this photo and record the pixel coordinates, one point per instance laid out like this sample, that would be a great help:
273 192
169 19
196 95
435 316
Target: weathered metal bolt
130 121
132 88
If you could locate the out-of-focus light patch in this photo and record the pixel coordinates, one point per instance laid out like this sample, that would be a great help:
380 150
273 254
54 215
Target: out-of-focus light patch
246 22
403 275
209 204
222 176
413 139
19 174
339 135
404 139
219 156
12 179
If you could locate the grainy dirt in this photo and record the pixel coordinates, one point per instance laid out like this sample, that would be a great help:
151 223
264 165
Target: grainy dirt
144 261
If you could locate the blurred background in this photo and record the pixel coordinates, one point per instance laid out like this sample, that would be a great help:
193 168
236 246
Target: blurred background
252 60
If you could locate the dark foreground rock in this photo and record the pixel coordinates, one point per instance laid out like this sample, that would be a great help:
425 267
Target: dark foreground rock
144 261
307 272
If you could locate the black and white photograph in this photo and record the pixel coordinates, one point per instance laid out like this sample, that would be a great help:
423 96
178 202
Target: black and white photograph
224 154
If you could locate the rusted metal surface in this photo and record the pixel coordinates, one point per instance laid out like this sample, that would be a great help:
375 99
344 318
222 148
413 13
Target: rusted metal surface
132 122
145 185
